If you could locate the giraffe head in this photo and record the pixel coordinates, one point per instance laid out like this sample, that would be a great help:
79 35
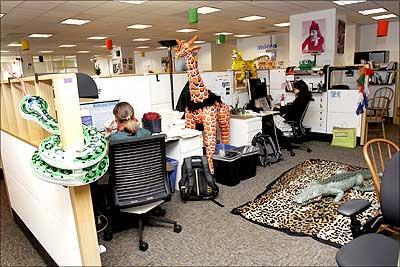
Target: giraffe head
186 48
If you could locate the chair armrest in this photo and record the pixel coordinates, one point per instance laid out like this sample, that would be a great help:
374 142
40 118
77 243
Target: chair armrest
292 122
353 207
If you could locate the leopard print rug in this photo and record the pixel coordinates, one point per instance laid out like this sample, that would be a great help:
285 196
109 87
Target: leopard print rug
275 207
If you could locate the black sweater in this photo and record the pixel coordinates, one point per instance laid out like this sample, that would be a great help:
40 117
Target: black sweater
293 111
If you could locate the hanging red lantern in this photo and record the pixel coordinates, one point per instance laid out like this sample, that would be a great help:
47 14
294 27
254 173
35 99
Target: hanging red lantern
109 44
383 27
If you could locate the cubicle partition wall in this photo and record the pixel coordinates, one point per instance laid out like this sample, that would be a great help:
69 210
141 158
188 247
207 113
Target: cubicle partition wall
60 218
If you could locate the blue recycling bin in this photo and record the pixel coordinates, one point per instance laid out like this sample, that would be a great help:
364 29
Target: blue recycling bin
172 174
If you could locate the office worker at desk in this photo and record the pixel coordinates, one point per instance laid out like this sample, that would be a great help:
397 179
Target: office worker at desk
293 111
125 124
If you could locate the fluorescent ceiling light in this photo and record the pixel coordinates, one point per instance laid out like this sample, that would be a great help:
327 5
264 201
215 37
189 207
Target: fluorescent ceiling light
223 33
139 26
83 52
187 30
283 24
15 44
162 47
141 39
199 42
66 45
242 35
387 16
96 38
207 10
4 51
1 15
251 18
46 51
372 11
143 47
40 35
69 57
134 2
75 21
343 3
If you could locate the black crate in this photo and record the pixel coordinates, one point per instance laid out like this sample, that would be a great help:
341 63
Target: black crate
226 170
248 166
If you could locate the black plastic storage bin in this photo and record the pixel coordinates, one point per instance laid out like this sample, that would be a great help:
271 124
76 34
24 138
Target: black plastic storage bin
226 168
248 161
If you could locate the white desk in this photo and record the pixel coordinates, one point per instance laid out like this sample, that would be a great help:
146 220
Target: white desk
243 129
181 148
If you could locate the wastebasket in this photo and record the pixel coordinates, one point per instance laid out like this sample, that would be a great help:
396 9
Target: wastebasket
226 168
248 161
172 173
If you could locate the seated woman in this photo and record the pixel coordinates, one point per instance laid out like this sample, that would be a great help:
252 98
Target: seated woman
293 111
125 123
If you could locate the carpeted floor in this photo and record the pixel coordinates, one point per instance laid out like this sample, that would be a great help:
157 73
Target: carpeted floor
211 235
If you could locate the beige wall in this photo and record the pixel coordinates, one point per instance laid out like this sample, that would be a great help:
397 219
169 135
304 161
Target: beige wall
221 55
84 64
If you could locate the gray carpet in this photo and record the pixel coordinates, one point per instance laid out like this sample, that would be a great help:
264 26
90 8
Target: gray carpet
211 235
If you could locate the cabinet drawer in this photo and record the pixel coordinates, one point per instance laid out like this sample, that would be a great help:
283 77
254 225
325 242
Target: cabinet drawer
187 145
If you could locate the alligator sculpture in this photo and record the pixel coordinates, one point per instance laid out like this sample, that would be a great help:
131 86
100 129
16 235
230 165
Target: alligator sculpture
335 185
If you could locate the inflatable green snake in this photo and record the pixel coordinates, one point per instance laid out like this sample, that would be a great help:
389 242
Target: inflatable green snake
77 166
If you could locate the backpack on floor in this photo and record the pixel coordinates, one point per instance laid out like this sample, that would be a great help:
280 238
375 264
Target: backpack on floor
197 183
268 151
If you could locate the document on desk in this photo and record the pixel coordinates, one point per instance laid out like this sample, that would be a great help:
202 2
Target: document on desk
183 133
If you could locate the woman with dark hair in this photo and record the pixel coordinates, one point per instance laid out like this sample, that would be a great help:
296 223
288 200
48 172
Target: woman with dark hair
293 111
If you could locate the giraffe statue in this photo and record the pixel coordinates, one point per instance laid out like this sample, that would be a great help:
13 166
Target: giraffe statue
204 106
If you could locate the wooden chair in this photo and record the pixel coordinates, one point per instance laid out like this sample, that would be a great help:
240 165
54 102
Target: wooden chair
376 112
376 153
386 92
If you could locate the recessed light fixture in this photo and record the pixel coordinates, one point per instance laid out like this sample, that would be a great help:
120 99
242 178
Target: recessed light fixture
242 35
40 35
46 51
199 42
207 10
223 33
4 51
139 26
387 16
372 11
283 24
251 18
142 47
83 52
187 30
67 45
141 39
343 3
15 44
162 47
134 2
75 21
96 38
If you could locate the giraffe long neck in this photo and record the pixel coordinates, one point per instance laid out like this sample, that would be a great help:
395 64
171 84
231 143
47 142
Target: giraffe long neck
198 91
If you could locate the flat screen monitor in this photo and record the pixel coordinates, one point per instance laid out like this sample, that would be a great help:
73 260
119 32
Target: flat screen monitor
97 113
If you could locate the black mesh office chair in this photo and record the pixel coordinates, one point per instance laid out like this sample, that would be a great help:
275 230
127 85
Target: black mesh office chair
297 135
372 249
139 184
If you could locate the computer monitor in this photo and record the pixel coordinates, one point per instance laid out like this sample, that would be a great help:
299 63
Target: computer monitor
97 113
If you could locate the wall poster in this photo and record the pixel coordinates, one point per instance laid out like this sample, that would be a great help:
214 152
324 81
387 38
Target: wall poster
341 37
313 32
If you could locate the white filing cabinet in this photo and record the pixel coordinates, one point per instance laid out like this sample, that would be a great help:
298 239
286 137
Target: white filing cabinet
315 117
243 129
183 148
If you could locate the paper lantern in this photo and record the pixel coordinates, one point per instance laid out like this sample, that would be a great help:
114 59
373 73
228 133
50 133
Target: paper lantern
109 44
221 39
383 27
25 44
193 15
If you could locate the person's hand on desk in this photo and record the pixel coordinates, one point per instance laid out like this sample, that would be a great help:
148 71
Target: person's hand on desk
109 126
276 107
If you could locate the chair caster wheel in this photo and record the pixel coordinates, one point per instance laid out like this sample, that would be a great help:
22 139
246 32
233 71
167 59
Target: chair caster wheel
143 246
162 212
309 150
292 154
107 236
177 228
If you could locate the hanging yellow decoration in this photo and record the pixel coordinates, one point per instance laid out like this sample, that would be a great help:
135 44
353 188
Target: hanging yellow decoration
25 44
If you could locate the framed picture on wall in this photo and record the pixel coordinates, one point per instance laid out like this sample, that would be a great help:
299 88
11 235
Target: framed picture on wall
313 32
341 37
240 85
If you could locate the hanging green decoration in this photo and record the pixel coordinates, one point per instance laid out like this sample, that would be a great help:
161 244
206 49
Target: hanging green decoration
193 15
221 39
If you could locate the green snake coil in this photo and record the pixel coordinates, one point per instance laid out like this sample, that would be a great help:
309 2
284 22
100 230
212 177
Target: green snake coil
77 166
